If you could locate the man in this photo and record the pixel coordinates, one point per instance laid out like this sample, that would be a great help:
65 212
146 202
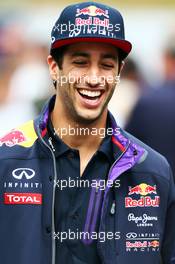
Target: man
75 187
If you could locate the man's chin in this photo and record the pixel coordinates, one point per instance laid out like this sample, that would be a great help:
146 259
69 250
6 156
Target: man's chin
88 118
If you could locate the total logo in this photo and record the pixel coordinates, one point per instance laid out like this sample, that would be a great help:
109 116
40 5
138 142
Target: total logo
23 198
143 190
142 242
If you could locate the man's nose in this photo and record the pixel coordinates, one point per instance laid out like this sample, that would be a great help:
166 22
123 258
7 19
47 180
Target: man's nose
93 76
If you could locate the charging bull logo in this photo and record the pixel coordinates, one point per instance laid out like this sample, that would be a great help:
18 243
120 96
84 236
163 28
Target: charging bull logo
153 244
144 190
12 138
23 136
92 11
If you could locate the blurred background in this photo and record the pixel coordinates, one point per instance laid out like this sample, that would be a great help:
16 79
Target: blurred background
144 102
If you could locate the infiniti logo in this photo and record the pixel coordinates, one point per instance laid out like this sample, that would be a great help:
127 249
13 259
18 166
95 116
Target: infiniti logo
131 235
23 173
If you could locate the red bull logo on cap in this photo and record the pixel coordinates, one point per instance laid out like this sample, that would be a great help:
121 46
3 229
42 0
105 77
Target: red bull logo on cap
92 11
96 17
145 200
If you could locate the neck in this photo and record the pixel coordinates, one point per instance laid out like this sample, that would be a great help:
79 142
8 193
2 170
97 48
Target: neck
78 135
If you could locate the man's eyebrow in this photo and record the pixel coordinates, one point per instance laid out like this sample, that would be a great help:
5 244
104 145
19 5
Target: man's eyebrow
84 54
110 56
79 54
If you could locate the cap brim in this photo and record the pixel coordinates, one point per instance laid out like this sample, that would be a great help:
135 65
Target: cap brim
124 45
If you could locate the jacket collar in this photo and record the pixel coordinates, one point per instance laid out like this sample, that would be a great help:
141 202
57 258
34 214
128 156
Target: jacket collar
121 143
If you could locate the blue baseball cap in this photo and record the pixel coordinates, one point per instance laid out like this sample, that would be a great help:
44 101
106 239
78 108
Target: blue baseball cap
90 22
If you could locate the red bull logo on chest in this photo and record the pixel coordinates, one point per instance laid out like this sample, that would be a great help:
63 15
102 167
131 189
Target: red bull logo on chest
143 190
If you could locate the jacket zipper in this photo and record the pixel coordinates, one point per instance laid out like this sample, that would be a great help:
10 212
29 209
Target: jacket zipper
53 196
112 211
113 206
94 204
114 163
98 195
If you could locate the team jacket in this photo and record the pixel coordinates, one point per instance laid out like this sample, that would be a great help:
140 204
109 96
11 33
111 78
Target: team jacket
137 214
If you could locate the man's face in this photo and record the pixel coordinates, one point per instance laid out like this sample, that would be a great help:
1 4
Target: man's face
87 80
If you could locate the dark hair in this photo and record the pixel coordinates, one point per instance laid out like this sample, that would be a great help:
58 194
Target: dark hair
58 54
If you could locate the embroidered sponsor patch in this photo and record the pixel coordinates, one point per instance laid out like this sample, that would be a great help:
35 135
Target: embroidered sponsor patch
142 242
144 191
23 198
143 220
24 136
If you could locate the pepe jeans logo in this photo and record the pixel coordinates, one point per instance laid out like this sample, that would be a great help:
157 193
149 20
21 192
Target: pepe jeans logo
21 173
142 220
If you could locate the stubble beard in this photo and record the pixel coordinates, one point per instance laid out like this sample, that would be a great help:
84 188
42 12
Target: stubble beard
70 110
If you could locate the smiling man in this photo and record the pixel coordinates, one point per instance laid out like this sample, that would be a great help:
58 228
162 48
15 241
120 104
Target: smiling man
89 71
89 65
69 193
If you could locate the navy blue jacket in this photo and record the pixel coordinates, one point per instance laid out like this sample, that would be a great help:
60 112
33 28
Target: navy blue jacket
137 215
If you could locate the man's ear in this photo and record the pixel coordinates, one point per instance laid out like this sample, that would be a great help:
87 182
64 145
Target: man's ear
53 68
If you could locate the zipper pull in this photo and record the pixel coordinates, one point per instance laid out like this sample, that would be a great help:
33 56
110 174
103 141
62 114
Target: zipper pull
96 189
113 208
51 144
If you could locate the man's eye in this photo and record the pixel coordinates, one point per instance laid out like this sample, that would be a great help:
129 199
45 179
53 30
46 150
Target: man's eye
80 62
108 66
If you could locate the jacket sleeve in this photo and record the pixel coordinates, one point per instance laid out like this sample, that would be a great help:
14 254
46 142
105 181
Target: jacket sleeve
168 244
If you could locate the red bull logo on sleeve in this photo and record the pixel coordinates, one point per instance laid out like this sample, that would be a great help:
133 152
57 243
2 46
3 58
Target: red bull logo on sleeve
92 11
144 190
12 138
24 136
